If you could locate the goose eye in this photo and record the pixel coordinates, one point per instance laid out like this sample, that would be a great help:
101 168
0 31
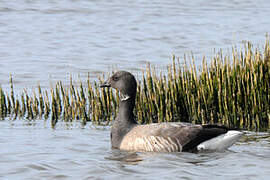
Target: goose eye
115 78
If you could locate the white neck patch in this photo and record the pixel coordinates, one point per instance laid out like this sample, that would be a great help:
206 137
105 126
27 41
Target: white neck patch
124 97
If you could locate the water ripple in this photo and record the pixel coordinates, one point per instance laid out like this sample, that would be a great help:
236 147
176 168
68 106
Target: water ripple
47 39
81 153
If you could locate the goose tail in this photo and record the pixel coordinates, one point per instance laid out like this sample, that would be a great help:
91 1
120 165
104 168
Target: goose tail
221 142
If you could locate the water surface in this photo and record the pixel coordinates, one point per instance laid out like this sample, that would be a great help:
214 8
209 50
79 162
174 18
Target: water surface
46 41
33 150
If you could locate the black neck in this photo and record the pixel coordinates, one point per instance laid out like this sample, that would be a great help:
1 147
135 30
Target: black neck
125 114
124 121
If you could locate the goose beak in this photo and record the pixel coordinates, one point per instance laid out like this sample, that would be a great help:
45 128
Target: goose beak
105 84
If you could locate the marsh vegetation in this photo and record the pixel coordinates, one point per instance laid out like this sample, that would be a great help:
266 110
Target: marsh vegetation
230 89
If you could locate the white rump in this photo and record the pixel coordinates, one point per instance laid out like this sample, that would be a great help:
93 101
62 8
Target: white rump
221 142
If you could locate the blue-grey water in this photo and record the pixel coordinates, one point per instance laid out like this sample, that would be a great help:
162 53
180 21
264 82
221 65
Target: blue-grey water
33 150
46 41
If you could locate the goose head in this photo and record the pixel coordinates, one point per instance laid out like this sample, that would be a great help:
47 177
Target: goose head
124 82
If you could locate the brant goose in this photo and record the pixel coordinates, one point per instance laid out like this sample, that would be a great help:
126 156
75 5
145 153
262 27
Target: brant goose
126 134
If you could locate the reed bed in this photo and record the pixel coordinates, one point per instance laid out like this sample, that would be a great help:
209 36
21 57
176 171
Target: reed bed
231 90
